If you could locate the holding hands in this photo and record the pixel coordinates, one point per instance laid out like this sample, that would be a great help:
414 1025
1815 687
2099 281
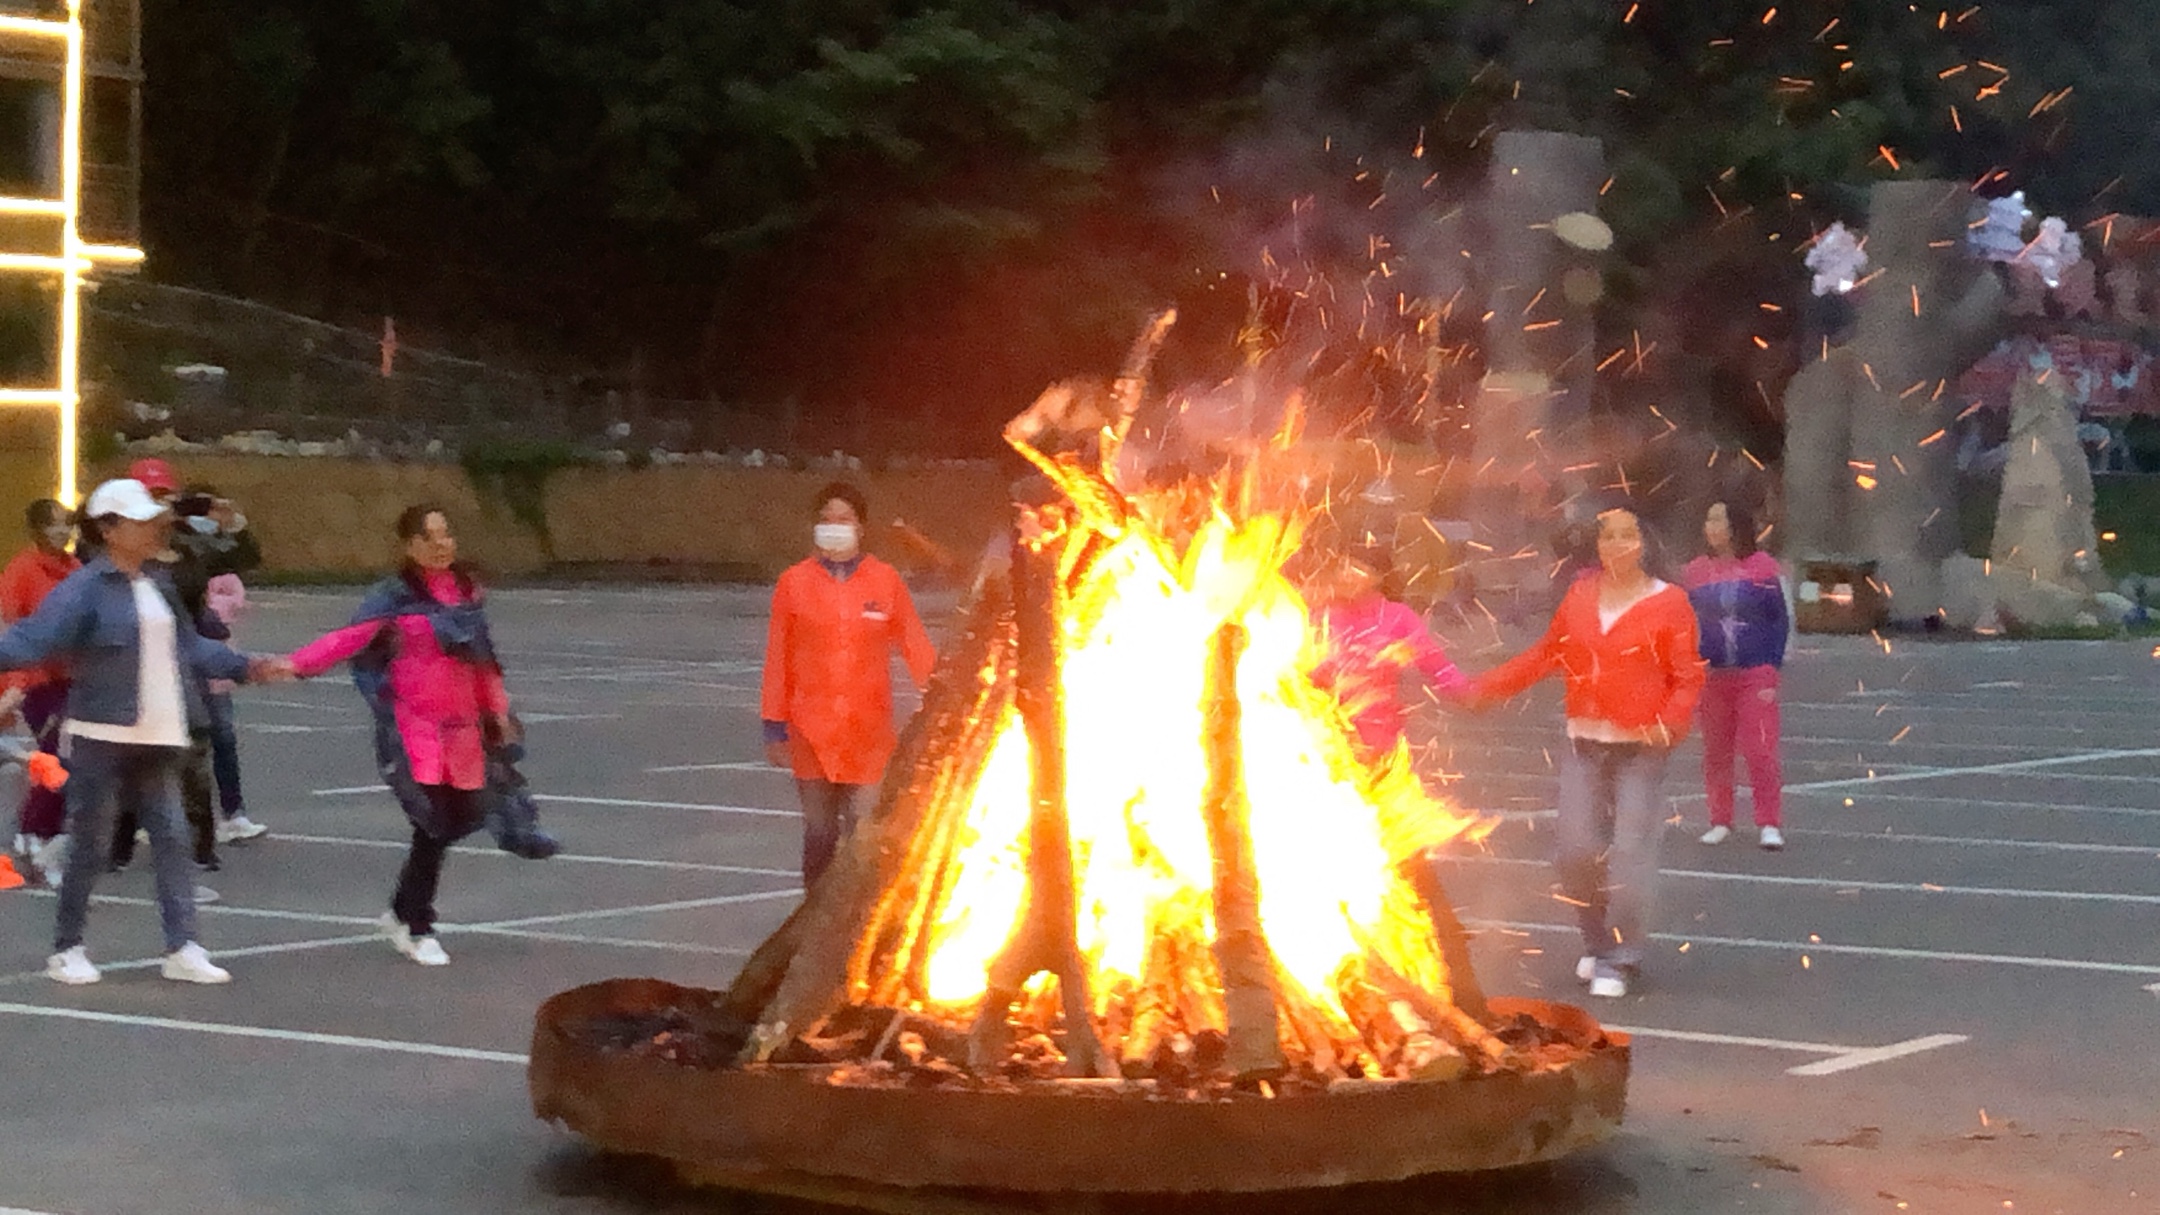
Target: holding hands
268 668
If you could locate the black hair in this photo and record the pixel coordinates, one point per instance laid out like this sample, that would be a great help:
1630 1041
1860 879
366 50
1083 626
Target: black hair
412 524
42 513
1746 533
846 493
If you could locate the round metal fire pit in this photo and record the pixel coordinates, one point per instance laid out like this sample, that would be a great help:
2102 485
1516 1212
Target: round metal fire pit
795 1122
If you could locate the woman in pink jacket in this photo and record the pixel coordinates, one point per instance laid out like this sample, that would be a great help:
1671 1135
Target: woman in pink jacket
422 657
1370 642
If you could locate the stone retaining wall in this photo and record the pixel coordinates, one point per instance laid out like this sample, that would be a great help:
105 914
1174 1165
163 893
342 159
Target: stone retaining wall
332 518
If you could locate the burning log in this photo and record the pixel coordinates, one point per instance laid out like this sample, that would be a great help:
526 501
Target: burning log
1454 943
1046 939
1241 948
800 974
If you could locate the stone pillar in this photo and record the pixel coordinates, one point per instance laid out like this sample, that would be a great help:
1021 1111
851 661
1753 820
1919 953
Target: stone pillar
1867 474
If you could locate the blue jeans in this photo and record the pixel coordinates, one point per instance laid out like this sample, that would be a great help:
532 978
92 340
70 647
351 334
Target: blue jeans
225 754
1612 817
829 812
98 772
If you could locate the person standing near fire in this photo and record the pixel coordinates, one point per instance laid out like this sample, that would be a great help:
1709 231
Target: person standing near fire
1370 642
837 618
1624 641
1740 605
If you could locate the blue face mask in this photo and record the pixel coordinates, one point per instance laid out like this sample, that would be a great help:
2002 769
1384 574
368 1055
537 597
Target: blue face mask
201 525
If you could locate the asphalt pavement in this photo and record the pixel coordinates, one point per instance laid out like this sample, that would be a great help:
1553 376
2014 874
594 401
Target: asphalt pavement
1943 996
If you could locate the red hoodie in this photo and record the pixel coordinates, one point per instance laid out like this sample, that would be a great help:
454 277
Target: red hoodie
1646 671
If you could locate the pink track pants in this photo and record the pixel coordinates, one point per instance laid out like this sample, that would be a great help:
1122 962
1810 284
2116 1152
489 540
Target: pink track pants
1741 707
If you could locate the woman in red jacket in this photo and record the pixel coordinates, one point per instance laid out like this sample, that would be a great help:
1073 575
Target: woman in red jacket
1625 643
837 616
28 578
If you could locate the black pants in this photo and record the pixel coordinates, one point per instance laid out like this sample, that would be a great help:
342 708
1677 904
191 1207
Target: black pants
414 902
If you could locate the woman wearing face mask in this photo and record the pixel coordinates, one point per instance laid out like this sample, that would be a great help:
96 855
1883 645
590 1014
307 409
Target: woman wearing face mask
827 706
1625 643
424 660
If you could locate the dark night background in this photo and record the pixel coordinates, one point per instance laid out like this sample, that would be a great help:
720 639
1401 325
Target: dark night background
925 211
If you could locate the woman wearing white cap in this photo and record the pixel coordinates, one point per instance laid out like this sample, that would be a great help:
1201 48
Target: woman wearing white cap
118 625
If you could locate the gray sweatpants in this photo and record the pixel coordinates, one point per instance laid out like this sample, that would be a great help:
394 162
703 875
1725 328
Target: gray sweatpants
1612 816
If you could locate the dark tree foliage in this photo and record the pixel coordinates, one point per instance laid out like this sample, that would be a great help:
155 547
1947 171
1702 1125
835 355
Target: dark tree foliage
925 210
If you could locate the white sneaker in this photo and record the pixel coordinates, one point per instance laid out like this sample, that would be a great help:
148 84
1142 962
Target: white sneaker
50 859
204 896
1586 968
23 844
189 964
71 966
1608 987
1716 835
239 827
1773 840
425 950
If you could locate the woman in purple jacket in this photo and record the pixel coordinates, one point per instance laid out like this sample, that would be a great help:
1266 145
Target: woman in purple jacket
1740 610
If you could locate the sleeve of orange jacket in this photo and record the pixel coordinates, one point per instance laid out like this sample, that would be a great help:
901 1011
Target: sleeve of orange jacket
1685 671
915 647
773 701
1510 678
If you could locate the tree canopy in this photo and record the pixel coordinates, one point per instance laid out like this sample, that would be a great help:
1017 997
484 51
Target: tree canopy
928 209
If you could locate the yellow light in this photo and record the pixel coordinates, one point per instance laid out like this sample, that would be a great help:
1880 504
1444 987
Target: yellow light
76 258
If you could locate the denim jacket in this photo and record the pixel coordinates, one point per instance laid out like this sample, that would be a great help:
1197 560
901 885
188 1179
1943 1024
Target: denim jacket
89 621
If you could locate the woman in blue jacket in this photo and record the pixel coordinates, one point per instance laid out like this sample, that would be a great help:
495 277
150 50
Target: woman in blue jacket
138 665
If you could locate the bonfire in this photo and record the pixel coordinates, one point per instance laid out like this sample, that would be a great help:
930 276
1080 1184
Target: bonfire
1127 848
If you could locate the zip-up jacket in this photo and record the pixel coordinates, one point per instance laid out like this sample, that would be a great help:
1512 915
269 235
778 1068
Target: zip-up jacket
1644 672
1740 607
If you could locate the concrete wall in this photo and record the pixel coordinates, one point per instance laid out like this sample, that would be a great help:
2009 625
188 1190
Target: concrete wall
333 517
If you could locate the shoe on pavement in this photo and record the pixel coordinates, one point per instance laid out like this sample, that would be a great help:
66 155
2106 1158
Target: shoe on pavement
1773 840
1586 968
425 950
204 896
72 967
239 827
189 964
1716 835
1608 987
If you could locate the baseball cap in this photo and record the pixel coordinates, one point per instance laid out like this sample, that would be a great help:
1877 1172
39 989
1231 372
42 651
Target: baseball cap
154 474
127 498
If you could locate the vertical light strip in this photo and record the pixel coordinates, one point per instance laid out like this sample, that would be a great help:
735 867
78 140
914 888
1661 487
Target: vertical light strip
71 140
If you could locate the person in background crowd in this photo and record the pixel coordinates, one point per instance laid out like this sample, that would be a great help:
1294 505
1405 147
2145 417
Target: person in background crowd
837 617
1370 642
1624 641
424 660
119 625
24 584
1740 608
211 541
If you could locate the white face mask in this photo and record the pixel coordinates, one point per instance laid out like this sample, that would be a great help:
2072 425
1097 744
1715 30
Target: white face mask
836 539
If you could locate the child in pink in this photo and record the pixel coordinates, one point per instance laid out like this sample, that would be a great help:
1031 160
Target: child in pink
1371 642
1740 612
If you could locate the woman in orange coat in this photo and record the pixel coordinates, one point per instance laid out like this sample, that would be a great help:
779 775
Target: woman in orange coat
1624 642
837 616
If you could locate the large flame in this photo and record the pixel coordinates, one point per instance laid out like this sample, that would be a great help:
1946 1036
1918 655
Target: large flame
1329 828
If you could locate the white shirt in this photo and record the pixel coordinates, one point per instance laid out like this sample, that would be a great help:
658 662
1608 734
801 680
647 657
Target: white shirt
160 711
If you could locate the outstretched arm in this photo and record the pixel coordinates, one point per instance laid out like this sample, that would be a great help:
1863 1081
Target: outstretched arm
334 647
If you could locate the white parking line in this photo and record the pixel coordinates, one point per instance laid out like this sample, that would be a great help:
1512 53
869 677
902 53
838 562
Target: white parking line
2022 765
1881 1054
560 858
747 765
549 799
602 913
1865 951
1770 879
223 1029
